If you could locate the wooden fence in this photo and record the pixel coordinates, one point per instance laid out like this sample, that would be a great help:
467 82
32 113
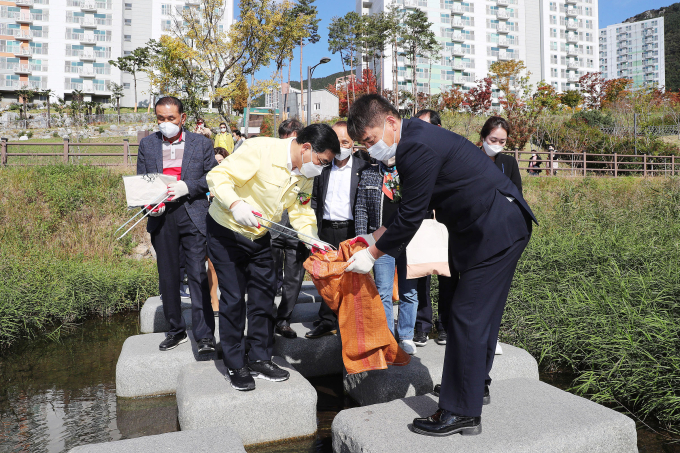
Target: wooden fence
68 153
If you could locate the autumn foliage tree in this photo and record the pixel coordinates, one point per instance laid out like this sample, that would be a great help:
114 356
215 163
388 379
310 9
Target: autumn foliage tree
367 84
452 99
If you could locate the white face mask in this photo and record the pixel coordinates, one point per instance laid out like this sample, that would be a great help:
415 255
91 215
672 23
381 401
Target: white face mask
380 151
492 150
344 153
168 129
223 129
309 169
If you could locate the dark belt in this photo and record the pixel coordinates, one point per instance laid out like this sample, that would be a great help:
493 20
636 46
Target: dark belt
337 225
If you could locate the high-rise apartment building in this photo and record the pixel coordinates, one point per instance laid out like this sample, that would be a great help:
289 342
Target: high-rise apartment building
65 45
634 50
556 40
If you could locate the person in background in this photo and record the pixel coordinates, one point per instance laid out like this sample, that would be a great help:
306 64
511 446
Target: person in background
555 162
377 201
220 154
202 129
238 138
424 318
494 135
253 185
224 139
534 164
289 256
334 202
180 223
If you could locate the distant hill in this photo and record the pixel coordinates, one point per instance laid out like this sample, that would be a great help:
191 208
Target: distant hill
671 19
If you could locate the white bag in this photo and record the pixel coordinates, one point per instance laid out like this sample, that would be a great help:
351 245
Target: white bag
149 189
428 251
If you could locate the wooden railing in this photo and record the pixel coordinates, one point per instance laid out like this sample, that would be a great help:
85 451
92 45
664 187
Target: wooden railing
68 153
581 164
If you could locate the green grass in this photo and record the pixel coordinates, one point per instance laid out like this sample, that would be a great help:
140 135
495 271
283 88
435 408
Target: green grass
57 146
58 259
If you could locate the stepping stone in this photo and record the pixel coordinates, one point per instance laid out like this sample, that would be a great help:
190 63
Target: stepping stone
425 370
137 417
308 294
143 370
197 441
151 317
525 415
311 358
305 313
274 411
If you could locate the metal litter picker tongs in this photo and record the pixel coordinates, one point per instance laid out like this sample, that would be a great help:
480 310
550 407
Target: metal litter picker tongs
165 197
291 233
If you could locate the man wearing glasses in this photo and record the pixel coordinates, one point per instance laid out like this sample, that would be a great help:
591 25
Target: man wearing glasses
264 178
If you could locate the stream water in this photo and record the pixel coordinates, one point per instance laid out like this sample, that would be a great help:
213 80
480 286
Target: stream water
56 395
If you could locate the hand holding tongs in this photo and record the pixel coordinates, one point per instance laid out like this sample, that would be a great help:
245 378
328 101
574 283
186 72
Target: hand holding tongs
149 211
313 242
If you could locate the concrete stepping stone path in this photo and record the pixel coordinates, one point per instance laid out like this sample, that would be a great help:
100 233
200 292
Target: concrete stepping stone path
311 358
274 411
525 415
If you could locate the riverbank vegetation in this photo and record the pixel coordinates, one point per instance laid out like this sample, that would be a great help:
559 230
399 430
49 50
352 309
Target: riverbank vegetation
597 290
59 261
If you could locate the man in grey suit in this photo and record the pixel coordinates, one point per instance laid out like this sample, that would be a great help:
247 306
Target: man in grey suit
181 221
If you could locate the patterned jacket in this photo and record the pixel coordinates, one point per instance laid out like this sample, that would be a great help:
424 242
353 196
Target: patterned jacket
370 199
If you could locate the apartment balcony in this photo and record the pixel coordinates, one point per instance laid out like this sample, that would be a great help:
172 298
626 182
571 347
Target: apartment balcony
572 12
458 51
88 22
570 2
459 24
571 25
503 2
458 37
572 52
24 69
504 56
87 56
198 3
88 6
24 35
460 66
457 10
503 43
650 69
503 29
88 40
87 73
502 15
573 78
572 38
23 52
24 2
24 18
574 64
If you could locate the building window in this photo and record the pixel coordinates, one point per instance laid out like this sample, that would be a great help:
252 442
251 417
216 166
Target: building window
128 38
127 52
317 106
128 7
128 22
126 86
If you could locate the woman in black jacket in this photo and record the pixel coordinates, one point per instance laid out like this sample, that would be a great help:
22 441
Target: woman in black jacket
494 134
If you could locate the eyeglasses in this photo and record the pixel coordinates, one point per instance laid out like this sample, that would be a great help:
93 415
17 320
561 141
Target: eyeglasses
321 162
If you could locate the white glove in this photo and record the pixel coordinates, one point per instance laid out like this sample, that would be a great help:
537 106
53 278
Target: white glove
319 246
361 262
243 215
160 209
177 190
368 239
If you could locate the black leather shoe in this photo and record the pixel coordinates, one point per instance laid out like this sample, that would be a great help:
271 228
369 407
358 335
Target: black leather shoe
285 331
445 423
172 341
437 389
441 339
320 331
487 396
266 369
240 379
206 346
420 338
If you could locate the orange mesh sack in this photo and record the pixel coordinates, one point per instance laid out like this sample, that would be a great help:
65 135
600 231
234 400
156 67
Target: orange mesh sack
367 343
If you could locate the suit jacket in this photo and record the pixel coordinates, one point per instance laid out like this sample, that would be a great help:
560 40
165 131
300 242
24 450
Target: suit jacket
441 170
258 174
508 165
198 160
321 187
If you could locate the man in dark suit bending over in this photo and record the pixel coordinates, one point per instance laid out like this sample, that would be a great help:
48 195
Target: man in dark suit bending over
489 225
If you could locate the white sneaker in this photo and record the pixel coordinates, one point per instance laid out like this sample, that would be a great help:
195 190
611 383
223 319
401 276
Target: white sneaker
499 350
408 346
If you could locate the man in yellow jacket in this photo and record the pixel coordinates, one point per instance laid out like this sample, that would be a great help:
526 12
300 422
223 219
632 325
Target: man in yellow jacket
224 139
265 176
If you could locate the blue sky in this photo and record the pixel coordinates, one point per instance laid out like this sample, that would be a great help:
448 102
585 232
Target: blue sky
611 12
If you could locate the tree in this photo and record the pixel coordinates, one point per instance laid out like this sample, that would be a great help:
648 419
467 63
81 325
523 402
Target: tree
452 99
116 93
593 87
366 85
48 93
394 18
375 34
342 39
546 96
418 40
306 9
138 60
571 98
614 89
477 101
26 94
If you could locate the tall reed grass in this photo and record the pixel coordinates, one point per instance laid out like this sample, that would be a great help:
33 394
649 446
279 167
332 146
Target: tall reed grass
59 261
597 290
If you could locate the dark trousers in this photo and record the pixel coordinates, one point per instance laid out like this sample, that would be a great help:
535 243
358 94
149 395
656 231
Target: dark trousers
424 319
474 319
243 267
294 253
333 236
174 231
